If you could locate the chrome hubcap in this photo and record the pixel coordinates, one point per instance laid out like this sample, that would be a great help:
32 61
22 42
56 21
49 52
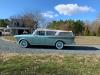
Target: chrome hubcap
59 45
23 43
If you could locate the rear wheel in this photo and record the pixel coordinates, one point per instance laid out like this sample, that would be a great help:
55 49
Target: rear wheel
59 44
23 43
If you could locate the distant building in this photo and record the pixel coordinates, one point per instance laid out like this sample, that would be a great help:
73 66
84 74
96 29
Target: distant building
14 30
17 26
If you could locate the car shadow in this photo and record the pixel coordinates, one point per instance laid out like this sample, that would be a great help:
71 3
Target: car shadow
65 48
80 48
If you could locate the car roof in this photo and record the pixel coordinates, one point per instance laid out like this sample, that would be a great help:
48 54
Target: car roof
42 29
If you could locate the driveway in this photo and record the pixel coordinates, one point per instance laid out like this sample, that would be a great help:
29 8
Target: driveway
7 46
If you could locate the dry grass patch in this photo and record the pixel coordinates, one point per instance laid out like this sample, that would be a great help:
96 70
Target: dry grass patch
9 38
49 64
87 40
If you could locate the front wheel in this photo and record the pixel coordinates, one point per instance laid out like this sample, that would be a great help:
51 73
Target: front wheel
59 44
23 43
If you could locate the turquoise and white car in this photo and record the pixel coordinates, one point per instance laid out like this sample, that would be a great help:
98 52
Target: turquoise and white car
57 38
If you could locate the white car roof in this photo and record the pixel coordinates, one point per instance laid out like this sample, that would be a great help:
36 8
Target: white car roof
51 30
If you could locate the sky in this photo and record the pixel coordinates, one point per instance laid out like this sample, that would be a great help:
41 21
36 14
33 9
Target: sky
52 9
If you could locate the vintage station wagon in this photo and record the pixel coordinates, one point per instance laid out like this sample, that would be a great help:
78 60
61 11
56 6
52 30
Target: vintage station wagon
57 38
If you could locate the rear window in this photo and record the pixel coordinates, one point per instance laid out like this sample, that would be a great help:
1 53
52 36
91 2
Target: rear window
65 34
50 32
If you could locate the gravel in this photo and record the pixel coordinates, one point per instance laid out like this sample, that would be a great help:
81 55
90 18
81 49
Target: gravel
11 47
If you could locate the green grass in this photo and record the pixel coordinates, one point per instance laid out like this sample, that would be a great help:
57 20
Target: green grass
49 64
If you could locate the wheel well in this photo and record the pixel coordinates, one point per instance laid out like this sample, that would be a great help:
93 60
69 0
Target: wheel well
60 41
23 39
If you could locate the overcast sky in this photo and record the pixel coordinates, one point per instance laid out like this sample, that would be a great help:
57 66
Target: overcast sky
52 9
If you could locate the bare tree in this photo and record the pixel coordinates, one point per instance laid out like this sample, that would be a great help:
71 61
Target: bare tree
27 19
31 19
98 17
95 24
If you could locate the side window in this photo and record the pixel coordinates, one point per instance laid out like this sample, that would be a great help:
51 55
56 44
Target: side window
40 33
65 34
50 32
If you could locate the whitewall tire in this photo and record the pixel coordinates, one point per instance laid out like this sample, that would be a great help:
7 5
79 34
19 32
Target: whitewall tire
59 44
23 43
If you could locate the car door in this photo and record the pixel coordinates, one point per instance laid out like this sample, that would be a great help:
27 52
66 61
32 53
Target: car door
50 38
39 38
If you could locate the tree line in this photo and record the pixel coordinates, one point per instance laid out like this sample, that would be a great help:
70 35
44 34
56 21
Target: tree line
78 27
32 20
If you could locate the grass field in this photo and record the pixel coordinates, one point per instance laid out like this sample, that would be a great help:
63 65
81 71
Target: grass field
49 64
78 39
